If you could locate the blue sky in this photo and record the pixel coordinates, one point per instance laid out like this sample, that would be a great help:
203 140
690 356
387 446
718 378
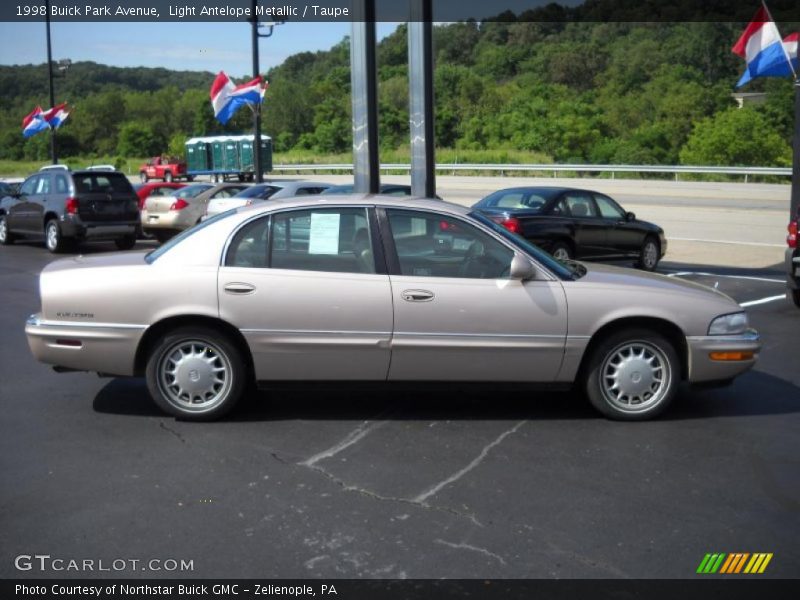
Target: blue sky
185 46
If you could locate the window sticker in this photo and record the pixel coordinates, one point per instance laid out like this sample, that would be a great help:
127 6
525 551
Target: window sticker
324 236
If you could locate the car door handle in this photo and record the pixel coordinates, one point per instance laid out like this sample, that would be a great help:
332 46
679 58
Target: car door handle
417 296
239 288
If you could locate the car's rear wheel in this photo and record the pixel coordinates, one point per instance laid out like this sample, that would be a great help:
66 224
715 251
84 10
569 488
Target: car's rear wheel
163 236
6 237
562 251
632 375
168 176
649 254
125 243
196 373
143 177
53 238
795 295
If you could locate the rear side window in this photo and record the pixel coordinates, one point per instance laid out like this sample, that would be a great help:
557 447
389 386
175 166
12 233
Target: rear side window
101 183
61 184
44 185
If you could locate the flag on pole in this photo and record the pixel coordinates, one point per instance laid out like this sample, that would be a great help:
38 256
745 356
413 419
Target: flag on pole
761 46
56 115
227 98
33 123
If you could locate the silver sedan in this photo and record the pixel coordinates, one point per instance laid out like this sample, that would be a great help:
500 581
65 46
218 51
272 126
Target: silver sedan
378 288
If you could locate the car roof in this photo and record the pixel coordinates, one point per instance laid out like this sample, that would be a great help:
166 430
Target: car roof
320 200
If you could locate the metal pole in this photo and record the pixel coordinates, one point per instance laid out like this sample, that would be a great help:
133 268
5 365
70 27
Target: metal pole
794 205
420 69
53 155
364 84
259 175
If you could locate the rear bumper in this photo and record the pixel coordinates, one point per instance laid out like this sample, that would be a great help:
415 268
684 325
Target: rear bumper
75 228
704 369
101 347
173 219
793 268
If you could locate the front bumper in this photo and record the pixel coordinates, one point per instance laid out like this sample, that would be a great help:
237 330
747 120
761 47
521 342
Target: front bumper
704 369
101 347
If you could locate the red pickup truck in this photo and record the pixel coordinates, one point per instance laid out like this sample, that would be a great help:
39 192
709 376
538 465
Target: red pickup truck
163 167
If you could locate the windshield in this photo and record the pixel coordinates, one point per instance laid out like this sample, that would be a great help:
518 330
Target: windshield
153 256
191 191
563 270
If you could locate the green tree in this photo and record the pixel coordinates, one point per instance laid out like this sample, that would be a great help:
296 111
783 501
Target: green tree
139 139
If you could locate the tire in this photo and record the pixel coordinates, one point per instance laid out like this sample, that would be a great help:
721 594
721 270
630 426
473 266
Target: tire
190 178
6 237
562 251
53 239
649 254
196 374
650 377
125 243
168 176
143 177
795 295
163 236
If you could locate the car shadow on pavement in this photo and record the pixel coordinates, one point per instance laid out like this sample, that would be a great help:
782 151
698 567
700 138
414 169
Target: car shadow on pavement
754 394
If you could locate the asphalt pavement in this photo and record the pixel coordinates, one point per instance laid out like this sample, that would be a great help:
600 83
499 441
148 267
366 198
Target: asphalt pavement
457 483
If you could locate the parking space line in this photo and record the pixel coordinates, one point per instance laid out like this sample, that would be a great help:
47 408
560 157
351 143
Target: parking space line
762 301
733 243
351 438
475 462
704 274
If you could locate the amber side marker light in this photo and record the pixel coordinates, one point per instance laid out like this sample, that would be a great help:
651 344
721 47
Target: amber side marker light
731 356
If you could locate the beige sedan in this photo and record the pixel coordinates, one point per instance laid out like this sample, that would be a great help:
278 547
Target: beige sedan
166 216
382 289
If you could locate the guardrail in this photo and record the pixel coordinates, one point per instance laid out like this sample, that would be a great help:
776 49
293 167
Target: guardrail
560 168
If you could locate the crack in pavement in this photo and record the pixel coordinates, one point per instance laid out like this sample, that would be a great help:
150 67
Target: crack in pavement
351 438
172 431
463 546
475 462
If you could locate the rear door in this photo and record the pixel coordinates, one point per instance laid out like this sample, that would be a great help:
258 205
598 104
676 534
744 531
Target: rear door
310 295
105 197
457 315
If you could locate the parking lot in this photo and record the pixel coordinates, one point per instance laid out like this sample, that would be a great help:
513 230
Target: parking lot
454 482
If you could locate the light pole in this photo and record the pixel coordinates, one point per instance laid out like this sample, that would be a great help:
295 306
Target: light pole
259 175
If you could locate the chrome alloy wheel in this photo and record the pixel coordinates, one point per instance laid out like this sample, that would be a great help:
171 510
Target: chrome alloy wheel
635 376
650 255
194 375
561 253
3 230
52 235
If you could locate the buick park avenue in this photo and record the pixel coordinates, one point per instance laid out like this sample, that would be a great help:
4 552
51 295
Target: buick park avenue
382 289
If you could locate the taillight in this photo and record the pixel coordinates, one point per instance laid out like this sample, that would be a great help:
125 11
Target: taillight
71 206
791 239
179 204
512 224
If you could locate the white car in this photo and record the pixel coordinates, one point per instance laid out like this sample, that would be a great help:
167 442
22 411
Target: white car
274 190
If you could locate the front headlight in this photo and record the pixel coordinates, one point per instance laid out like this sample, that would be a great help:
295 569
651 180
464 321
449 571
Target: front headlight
732 324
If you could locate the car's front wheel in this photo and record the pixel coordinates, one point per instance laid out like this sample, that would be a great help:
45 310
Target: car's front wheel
649 255
632 375
196 373
562 251
6 236
143 177
168 176
795 296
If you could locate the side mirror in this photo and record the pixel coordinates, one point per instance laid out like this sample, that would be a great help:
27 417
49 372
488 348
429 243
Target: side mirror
522 268
629 216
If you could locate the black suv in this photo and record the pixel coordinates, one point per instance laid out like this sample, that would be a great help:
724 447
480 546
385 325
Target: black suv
65 208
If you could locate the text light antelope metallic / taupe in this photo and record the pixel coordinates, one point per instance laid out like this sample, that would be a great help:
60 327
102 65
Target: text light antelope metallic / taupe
376 288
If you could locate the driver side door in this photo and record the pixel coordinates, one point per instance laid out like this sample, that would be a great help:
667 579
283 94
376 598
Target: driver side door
457 315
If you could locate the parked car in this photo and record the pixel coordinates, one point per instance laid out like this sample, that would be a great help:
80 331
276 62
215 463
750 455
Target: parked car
164 167
576 224
145 190
793 260
7 189
385 290
65 208
275 190
101 168
387 189
162 214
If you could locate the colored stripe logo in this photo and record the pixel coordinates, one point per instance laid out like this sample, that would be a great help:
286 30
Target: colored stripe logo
734 563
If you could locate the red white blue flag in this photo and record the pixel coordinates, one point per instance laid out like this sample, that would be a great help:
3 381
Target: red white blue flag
227 98
766 54
56 115
33 123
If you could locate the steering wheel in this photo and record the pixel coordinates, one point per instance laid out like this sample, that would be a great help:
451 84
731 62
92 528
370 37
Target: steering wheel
475 251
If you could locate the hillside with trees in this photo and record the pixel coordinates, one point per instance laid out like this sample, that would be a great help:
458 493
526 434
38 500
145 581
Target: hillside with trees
603 92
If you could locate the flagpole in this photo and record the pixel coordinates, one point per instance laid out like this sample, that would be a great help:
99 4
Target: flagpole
53 155
794 203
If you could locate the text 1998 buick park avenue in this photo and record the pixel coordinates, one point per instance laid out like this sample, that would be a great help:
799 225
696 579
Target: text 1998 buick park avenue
379 288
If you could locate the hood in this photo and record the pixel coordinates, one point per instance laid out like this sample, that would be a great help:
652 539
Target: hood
606 275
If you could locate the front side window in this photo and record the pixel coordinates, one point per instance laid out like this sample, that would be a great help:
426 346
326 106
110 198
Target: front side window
434 245
330 239
608 208
29 187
